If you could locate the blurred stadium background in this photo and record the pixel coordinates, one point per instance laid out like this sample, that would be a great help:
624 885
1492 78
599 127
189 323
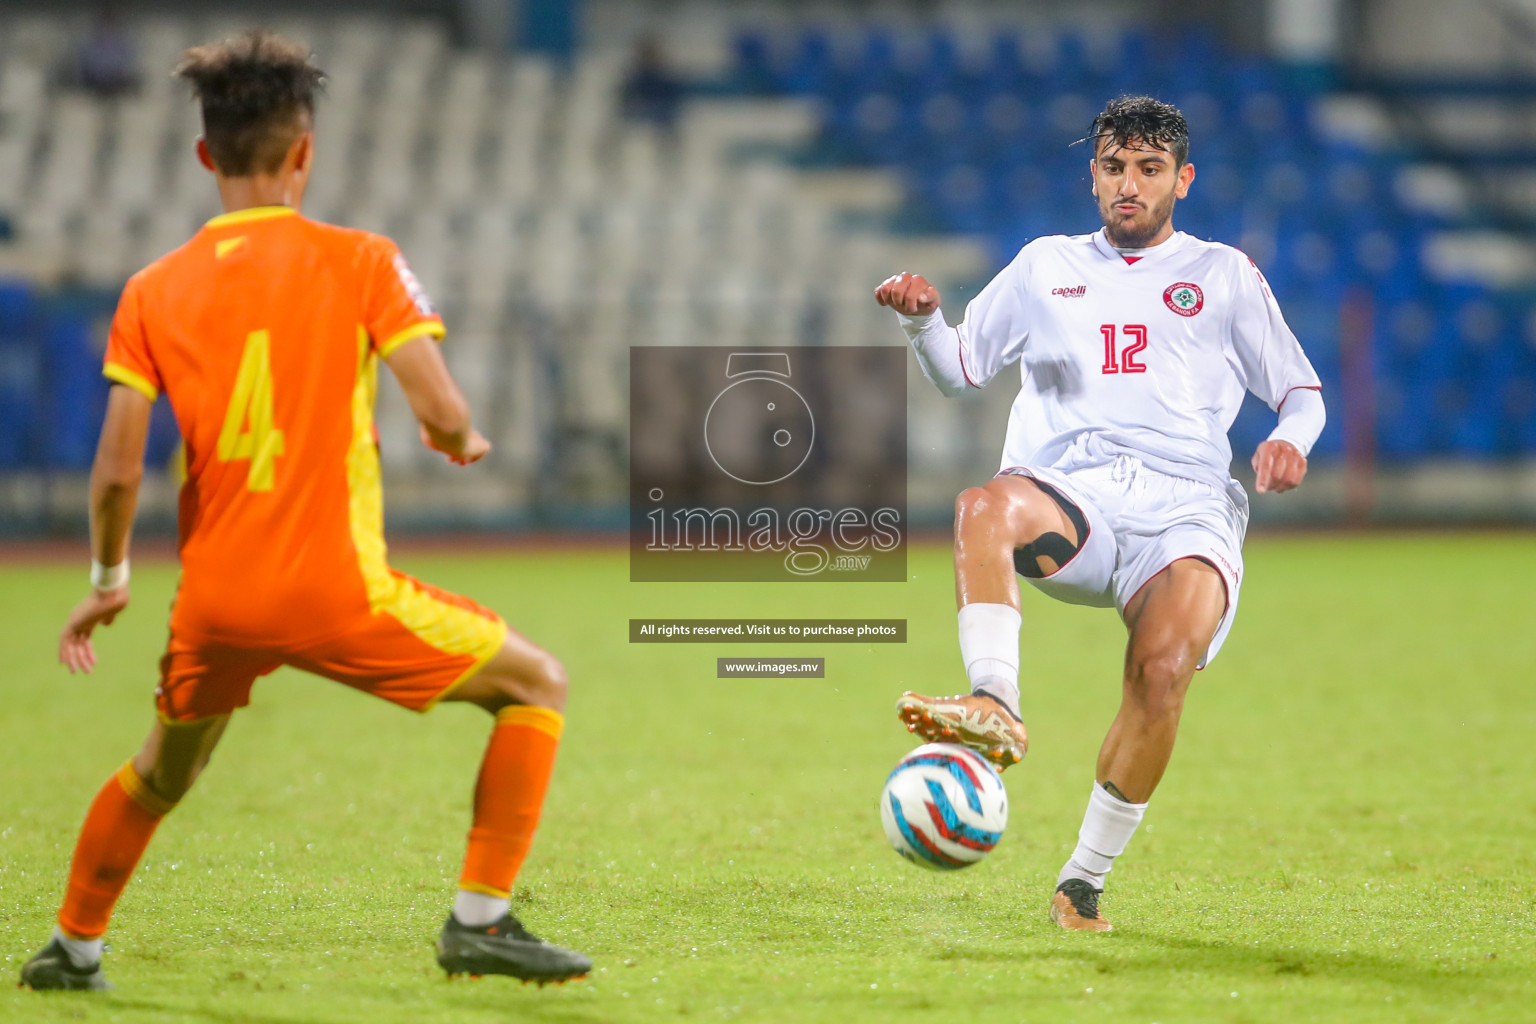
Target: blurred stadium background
572 178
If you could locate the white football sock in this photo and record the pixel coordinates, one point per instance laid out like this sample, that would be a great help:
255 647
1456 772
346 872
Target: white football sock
1107 828
476 909
989 646
81 952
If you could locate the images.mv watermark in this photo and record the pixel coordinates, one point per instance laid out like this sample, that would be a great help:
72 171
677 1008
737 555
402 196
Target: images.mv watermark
768 464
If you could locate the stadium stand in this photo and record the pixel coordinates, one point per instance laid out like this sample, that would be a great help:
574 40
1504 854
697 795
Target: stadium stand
982 131
555 233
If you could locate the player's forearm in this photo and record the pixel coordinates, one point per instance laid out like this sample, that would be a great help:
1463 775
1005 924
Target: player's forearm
447 421
937 347
434 395
1302 416
114 500
116 473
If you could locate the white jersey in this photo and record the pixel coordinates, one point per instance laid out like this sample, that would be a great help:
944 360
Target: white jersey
1149 357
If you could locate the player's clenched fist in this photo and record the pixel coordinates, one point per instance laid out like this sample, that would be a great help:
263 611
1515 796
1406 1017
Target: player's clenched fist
909 294
1278 466
472 448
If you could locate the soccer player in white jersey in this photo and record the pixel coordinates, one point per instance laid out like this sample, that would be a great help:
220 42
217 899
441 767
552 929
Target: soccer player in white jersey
1135 346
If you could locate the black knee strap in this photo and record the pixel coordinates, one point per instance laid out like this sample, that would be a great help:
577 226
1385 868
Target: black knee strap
1052 545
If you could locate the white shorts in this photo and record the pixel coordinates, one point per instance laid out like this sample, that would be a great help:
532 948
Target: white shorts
1141 521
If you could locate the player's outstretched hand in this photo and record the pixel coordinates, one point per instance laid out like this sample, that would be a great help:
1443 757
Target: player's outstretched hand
909 294
1278 467
475 447
99 609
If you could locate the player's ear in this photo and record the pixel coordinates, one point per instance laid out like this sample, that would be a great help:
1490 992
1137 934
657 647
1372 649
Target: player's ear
302 153
1093 178
1186 175
203 156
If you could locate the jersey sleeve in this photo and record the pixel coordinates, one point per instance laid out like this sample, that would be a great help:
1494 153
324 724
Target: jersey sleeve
1302 418
996 326
1271 358
937 347
396 307
128 359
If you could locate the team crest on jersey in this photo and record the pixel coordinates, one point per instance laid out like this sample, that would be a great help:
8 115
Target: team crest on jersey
1184 298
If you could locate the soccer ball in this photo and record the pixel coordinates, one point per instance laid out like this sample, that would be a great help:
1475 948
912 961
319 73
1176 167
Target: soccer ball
944 806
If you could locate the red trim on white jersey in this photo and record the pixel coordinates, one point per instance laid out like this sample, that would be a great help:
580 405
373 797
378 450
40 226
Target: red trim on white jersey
960 346
1298 387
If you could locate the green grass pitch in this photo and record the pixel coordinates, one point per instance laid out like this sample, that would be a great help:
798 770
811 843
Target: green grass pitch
1347 832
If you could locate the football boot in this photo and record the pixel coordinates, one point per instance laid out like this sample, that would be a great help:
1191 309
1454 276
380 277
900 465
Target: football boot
506 947
1075 907
51 970
976 721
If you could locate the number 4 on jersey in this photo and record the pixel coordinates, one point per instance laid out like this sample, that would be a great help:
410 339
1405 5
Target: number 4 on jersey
248 429
1126 361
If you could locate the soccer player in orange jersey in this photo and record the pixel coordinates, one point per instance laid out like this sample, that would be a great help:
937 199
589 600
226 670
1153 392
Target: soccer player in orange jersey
266 331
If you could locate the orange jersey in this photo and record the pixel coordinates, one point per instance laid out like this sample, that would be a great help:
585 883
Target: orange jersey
265 332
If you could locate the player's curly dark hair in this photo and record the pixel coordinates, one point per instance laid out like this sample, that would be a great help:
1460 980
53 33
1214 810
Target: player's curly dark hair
257 91
1144 119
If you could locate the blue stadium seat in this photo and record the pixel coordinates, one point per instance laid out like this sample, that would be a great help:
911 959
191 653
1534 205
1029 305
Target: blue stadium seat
807 70
76 390
18 309
991 153
753 64
1472 424
21 375
1404 420
1517 405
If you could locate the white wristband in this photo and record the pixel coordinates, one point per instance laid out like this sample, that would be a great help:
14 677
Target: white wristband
109 577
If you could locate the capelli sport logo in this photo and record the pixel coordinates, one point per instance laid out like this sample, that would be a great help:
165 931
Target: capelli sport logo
1075 292
1184 298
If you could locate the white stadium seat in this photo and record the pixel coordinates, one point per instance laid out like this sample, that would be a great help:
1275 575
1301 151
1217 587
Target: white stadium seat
553 233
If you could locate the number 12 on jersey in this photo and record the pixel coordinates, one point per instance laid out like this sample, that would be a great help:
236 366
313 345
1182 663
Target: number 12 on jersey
1126 361
249 432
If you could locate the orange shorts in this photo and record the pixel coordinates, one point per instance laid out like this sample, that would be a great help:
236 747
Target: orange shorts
427 642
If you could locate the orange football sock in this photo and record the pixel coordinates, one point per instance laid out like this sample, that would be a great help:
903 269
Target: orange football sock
509 795
117 828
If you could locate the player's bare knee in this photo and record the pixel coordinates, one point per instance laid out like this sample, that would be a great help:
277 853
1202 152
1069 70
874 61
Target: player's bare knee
973 506
174 756
539 681
169 782
990 510
1157 679
552 683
